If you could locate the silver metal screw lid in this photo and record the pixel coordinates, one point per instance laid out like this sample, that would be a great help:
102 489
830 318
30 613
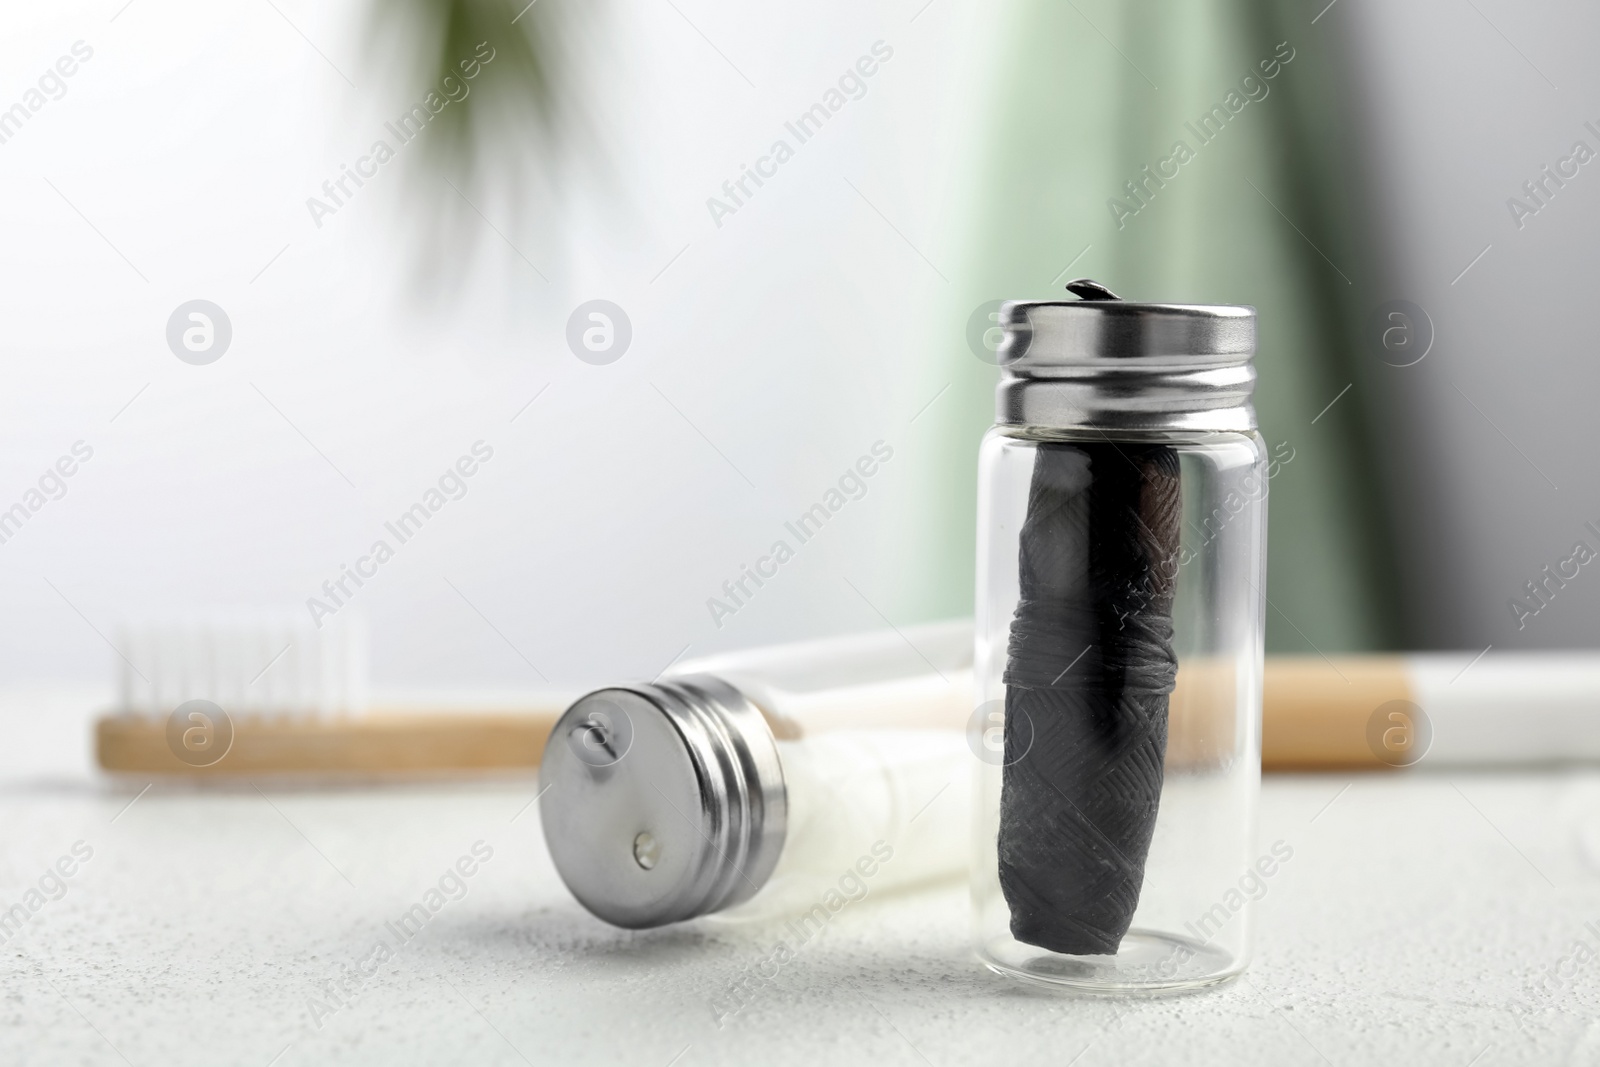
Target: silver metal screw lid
1100 362
664 801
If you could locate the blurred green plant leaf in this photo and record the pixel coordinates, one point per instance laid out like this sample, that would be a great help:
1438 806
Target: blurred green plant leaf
501 149
515 98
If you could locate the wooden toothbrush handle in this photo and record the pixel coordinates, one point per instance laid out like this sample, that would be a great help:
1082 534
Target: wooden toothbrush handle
1315 716
376 743
1316 713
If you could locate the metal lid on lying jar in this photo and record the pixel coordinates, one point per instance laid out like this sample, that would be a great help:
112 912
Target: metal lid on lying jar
664 801
1101 362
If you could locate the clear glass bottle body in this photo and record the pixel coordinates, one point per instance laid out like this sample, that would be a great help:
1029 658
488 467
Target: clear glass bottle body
1191 925
875 763
917 677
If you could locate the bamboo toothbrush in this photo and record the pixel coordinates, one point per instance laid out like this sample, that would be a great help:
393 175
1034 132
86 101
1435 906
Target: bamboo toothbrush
261 696
1445 709
295 704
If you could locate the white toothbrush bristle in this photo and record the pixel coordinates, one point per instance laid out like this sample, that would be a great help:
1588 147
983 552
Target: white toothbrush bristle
248 664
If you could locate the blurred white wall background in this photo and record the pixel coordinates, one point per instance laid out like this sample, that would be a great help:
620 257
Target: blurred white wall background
177 163
176 166
1491 435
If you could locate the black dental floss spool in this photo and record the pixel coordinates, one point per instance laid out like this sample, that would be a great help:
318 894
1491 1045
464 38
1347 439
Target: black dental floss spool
1089 672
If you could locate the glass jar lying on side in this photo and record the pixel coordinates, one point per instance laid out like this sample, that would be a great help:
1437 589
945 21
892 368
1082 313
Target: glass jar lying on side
766 783
1121 548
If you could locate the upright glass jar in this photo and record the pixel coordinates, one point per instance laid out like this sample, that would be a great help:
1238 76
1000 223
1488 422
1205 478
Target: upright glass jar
1121 560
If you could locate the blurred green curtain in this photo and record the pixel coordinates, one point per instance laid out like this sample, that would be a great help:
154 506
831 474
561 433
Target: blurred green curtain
1268 213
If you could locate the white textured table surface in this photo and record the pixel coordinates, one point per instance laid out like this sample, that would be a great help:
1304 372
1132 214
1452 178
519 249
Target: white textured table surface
1423 918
